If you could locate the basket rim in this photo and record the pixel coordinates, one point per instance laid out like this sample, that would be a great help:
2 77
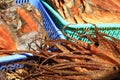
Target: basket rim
88 25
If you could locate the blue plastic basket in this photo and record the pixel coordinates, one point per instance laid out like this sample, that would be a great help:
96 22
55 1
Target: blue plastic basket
53 33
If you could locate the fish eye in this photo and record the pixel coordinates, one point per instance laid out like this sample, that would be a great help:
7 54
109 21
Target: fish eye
115 68
96 44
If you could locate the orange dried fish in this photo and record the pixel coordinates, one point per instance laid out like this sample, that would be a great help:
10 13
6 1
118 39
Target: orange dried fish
30 26
27 24
28 20
111 5
6 40
25 29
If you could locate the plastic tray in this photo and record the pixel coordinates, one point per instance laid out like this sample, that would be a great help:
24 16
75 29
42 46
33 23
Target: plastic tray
53 32
110 29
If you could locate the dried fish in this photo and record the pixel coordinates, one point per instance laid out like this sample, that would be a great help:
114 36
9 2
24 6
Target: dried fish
88 11
63 62
25 28
63 59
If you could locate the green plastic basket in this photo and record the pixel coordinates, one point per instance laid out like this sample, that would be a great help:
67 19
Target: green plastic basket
71 30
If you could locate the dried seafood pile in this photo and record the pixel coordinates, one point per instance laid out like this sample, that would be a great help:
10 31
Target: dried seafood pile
66 60
20 25
55 59
88 11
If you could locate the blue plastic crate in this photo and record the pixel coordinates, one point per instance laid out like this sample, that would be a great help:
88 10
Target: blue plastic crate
53 33
8 61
